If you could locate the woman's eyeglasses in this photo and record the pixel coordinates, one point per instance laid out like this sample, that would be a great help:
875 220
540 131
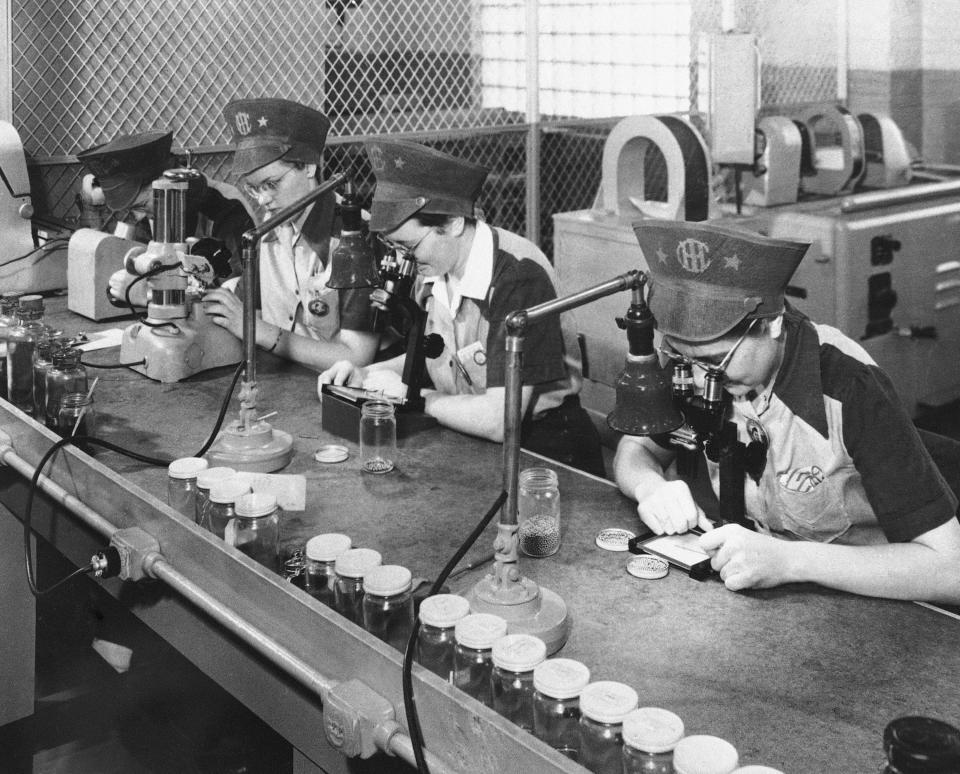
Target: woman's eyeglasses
707 365
402 248
268 186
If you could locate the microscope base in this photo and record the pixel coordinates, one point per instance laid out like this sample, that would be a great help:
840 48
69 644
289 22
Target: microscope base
259 449
543 613
178 350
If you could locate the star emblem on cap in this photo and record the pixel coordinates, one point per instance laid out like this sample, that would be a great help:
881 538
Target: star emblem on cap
731 262
661 256
262 122
399 163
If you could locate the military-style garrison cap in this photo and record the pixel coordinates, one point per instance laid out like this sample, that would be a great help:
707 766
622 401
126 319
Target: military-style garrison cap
265 130
128 163
706 278
413 178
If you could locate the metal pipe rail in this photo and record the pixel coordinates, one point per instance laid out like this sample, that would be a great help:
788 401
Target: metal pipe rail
388 736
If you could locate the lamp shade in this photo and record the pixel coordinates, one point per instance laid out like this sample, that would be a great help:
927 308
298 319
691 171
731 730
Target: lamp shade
645 404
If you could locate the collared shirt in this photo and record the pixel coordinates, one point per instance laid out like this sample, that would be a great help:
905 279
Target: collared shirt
293 290
844 461
468 314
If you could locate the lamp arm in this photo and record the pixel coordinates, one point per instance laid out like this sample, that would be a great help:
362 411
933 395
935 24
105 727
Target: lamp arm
517 323
249 242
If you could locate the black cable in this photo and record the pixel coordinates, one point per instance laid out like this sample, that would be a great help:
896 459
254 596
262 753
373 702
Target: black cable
112 365
139 278
85 439
41 249
409 703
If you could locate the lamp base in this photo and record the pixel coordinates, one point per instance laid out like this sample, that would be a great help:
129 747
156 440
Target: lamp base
527 609
257 449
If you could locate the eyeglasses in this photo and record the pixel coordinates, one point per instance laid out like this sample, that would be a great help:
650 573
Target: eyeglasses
672 354
403 248
268 186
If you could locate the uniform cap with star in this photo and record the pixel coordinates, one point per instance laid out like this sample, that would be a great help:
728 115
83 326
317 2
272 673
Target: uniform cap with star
706 278
267 129
127 164
413 178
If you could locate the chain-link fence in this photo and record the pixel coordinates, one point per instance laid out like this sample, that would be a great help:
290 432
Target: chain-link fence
451 73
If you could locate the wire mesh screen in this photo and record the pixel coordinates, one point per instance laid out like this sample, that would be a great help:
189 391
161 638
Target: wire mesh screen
452 73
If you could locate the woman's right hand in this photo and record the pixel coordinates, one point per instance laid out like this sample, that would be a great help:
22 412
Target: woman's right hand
344 373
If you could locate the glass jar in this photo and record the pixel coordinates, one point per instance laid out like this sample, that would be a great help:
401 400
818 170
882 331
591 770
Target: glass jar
921 745
435 639
21 341
206 478
511 680
8 321
321 556
221 505
388 604
256 529
64 376
557 684
77 416
472 655
603 706
704 754
649 736
538 512
42 362
378 436
182 484
349 568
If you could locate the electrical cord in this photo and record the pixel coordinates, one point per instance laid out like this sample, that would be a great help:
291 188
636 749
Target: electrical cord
77 440
133 310
112 365
409 702
42 249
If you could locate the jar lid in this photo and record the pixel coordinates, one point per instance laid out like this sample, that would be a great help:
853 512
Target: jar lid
479 630
560 678
652 729
387 580
228 490
918 743
31 302
328 546
355 562
607 701
186 467
756 770
703 754
254 505
518 652
443 610
209 476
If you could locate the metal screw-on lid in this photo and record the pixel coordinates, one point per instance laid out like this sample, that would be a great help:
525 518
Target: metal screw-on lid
607 701
31 303
704 754
229 490
252 506
518 652
356 562
756 770
561 678
328 546
652 729
387 580
186 467
479 630
210 476
444 610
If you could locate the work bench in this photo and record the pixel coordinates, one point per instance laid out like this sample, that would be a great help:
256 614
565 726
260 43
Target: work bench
799 678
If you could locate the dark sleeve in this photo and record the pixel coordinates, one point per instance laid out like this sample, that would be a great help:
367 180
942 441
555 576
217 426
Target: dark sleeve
901 480
230 220
356 313
520 284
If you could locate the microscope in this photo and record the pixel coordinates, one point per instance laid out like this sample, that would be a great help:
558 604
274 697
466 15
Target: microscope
176 339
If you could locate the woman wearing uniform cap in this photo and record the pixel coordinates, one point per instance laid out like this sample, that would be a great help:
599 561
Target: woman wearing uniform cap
843 492
124 170
470 276
279 151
